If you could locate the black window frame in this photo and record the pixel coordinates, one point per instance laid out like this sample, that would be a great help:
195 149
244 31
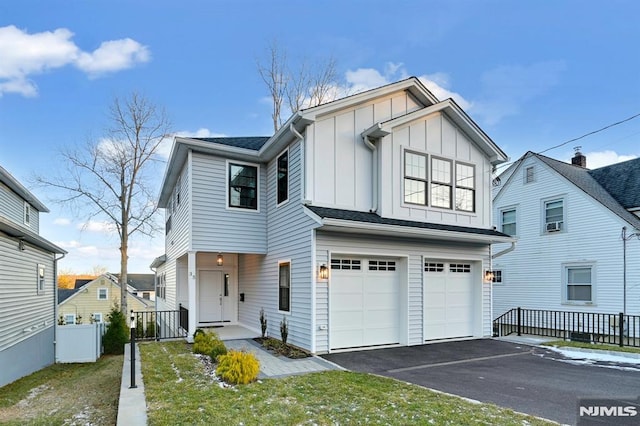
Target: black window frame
284 286
282 177
230 187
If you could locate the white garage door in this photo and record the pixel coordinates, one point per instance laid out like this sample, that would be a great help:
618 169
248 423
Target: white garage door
364 302
449 304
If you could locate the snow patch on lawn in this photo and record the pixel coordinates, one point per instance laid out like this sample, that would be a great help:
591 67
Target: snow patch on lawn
598 358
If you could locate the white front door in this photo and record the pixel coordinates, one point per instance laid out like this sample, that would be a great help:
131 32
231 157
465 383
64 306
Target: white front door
210 297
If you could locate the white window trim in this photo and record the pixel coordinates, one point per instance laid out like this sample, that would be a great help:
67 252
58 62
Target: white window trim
501 210
226 187
501 282
40 289
26 214
282 262
106 292
565 283
543 214
286 200
101 317
69 315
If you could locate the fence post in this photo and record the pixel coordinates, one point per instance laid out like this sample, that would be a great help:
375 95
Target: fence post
621 323
519 321
133 351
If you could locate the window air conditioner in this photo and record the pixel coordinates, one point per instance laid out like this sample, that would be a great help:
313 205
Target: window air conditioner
554 226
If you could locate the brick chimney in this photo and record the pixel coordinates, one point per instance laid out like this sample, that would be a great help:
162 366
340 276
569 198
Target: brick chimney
579 159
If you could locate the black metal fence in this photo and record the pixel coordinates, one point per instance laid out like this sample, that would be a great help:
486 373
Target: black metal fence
616 329
158 325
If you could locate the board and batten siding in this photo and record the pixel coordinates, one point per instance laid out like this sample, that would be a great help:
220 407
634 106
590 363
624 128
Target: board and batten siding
27 319
532 274
339 169
216 227
12 208
415 251
434 135
289 239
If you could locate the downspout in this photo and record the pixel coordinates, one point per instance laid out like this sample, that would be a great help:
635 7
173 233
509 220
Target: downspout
374 168
55 306
505 251
303 186
155 298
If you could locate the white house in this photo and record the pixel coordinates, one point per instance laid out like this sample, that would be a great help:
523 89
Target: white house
365 221
28 296
568 222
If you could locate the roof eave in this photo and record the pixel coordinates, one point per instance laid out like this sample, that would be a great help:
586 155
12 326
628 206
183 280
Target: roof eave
21 233
19 189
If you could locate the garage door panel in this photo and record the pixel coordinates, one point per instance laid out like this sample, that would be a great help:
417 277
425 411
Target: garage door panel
364 305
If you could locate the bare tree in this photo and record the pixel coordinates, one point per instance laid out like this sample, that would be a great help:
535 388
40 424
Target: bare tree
305 86
112 178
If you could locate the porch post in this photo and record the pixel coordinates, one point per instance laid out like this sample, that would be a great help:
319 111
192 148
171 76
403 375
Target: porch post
191 280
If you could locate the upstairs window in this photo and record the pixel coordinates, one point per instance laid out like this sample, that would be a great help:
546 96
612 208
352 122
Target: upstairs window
27 213
243 186
509 221
465 187
441 183
284 291
282 164
554 215
528 175
415 178
177 191
103 293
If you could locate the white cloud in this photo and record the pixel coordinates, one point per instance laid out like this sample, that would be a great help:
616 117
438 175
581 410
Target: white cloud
103 227
604 158
63 221
25 55
368 78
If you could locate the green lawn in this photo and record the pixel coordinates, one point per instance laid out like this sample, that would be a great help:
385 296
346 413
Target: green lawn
178 391
598 346
65 394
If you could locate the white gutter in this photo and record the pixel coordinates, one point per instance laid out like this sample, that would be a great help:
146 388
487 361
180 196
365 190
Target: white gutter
374 166
505 251
55 305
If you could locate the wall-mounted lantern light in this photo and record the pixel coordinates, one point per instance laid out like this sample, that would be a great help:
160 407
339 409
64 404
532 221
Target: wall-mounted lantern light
323 272
21 245
488 276
220 259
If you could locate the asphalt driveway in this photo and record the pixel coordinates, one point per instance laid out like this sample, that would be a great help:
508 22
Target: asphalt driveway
528 379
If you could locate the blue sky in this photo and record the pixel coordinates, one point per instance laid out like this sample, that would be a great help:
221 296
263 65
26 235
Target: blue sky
532 74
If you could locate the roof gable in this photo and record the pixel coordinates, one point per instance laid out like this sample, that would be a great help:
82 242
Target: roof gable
246 142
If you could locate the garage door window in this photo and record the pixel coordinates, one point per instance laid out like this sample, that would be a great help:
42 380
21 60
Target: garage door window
346 264
463 268
382 265
433 267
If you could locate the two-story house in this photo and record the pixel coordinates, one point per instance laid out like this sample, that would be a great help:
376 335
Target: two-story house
28 273
569 223
365 221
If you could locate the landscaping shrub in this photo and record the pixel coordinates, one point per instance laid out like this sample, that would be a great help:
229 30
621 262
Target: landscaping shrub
117 333
238 367
284 329
263 322
218 349
208 344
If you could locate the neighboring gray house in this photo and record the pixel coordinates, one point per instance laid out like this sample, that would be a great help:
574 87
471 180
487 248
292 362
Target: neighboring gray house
568 222
141 285
28 284
364 222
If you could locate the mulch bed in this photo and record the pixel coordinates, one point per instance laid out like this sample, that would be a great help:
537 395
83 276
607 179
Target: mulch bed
277 347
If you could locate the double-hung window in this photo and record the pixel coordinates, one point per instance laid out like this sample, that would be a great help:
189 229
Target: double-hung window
509 221
465 187
27 213
554 215
415 178
243 186
441 183
284 286
70 319
40 278
579 283
282 164
103 293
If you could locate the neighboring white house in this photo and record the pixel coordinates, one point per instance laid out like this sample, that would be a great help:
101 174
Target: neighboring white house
28 297
568 222
365 221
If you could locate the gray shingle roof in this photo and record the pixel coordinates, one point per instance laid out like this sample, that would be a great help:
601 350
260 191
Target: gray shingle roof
366 217
249 142
622 181
583 179
140 282
65 293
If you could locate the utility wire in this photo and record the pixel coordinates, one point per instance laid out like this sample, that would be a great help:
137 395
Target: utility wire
591 133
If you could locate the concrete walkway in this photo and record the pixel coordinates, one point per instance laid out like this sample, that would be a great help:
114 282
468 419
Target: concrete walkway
132 407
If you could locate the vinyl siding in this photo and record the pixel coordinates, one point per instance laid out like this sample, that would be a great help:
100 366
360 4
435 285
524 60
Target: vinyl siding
12 208
533 272
415 251
177 240
216 227
289 239
23 311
